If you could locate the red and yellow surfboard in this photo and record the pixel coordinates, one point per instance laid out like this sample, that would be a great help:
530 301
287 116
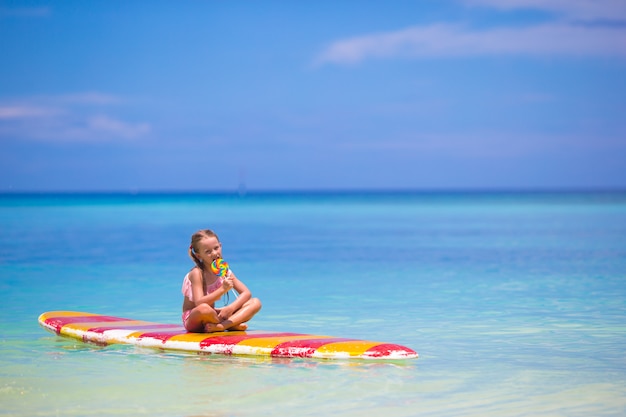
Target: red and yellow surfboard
104 330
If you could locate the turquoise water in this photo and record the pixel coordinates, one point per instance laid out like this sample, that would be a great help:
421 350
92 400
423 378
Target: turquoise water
516 302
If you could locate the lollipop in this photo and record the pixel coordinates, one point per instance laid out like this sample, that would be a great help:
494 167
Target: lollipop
219 267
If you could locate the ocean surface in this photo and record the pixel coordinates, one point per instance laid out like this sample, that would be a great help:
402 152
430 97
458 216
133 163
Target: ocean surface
516 302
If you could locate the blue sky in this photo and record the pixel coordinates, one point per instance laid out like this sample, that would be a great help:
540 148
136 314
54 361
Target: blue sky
282 95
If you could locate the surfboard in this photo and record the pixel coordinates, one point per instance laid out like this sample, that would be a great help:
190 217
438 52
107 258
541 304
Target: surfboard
104 330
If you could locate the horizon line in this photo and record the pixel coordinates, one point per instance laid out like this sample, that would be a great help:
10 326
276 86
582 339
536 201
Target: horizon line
327 191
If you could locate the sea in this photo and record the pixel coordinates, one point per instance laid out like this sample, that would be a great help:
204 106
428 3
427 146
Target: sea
515 302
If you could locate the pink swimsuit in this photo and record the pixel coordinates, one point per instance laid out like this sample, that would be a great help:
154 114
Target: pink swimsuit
187 292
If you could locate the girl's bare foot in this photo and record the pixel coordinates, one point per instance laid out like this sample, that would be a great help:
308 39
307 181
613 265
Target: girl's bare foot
212 327
240 327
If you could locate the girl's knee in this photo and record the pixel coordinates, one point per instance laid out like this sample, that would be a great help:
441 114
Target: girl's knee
205 309
256 304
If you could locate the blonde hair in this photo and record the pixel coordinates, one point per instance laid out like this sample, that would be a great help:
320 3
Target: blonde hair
193 247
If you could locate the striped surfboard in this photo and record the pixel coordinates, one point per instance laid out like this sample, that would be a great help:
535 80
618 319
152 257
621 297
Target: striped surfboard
104 330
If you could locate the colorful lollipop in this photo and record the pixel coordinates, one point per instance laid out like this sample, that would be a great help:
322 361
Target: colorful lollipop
219 267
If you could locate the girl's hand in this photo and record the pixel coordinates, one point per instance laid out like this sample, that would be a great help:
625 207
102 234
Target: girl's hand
224 313
227 284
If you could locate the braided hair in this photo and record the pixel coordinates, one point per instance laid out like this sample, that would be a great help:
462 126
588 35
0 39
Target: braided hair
195 238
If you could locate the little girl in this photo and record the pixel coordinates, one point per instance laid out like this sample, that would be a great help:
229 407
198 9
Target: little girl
202 288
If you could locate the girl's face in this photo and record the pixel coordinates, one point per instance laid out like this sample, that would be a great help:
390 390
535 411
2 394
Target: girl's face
209 249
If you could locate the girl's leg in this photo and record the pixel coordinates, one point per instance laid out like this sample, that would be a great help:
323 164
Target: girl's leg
199 317
244 314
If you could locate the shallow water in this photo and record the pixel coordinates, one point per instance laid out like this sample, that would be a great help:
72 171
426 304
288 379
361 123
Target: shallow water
516 302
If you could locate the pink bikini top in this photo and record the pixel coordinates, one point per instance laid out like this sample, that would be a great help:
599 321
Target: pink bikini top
187 292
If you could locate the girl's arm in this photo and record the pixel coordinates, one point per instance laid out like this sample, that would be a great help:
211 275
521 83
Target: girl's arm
242 298
195 277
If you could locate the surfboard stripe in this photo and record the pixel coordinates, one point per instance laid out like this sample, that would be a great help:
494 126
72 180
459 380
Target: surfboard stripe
234 340
103 330
272 342
303 348
387 349
66 314
139 328
89 325
162 336
198 337
351 347
58 322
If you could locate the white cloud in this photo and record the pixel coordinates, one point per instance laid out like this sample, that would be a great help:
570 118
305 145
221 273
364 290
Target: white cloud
440 40
25 111
576 9
67 118
108 125
578 28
